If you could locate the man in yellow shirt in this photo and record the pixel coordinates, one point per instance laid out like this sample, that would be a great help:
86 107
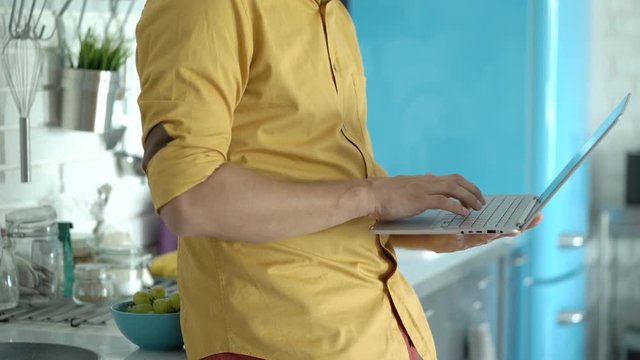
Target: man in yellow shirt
258 157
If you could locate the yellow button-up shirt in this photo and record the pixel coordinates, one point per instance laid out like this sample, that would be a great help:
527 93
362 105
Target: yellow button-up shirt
278 87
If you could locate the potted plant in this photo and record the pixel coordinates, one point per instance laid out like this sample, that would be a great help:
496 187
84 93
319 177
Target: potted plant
90 83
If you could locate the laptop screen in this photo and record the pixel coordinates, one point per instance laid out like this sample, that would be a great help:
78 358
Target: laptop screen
584 151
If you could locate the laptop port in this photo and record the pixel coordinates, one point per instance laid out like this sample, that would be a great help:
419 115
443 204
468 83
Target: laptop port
491 231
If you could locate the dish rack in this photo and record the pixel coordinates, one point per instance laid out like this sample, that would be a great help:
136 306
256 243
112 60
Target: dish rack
67 311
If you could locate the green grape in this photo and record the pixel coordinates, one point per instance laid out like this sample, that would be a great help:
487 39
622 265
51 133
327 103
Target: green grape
174 300
141 309
161 306
157 292
141 297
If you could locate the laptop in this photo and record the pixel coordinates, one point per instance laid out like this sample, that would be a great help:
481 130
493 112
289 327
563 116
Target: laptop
502 213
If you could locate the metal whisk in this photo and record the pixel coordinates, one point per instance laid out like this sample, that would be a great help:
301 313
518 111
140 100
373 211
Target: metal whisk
22 64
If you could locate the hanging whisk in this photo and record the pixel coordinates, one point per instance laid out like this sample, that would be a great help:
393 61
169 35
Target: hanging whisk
22 65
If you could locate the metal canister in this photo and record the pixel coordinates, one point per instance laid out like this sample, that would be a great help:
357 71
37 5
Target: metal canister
87 99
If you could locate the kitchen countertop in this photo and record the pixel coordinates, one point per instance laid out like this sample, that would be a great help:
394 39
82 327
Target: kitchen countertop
425 270
428 271
104 340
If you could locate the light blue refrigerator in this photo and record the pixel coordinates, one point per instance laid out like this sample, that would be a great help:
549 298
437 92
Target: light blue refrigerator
496 91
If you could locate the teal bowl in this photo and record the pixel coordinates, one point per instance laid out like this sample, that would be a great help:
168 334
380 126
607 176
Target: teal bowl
149 331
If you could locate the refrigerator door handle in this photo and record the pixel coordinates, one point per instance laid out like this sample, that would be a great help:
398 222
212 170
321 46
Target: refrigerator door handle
571 241
520 260
570 317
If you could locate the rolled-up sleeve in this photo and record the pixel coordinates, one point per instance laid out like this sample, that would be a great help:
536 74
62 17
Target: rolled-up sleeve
193 59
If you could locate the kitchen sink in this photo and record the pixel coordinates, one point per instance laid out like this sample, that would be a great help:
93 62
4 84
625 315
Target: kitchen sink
43 351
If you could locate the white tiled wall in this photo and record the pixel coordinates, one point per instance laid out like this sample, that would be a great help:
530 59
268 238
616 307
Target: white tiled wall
69 166
615 48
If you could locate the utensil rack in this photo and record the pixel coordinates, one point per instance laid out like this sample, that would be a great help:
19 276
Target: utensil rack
66 311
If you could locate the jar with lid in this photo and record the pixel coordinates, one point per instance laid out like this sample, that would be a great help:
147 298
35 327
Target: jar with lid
129 266
9 291
93 284
38 253
84 247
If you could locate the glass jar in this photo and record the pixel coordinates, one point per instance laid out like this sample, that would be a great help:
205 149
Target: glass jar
128 266
84 247
38 253
93 284
9 291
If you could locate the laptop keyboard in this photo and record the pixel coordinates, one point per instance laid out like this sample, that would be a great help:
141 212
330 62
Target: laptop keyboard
498 212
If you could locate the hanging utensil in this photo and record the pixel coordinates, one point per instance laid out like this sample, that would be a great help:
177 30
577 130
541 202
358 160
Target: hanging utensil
22 64
59 24
64 8
113 18
114 28
83 9
23 21
98 208
62 32
65 43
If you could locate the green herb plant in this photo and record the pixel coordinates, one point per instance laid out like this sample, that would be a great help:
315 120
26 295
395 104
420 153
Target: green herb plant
106 54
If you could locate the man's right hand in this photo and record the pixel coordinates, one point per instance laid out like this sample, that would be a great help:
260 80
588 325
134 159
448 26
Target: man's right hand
281 209
402 196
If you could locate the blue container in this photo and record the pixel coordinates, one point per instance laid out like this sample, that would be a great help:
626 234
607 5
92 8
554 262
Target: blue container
149 331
